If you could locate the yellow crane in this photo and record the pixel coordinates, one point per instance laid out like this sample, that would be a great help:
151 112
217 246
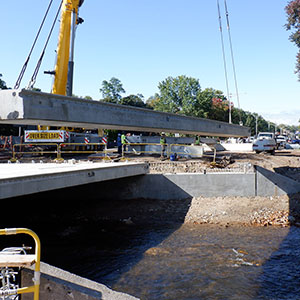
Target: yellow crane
64 67
63 74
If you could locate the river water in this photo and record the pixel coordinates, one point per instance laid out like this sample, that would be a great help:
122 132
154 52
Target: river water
197 262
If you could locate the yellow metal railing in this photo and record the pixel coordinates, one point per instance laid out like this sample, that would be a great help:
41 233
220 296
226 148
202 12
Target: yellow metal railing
60 149
15 260
36 151
83 147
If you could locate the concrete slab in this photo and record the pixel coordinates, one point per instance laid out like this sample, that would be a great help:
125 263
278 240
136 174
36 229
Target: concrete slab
28 178
60 285
34 108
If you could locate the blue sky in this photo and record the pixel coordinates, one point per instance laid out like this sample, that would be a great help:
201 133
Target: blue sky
141 42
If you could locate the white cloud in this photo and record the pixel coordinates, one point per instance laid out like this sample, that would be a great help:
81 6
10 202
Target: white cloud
283 117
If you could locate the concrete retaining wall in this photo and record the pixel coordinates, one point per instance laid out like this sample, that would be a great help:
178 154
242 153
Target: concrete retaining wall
186 185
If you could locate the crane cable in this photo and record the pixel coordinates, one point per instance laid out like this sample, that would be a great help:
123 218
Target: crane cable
224 59
18 82
37 68
232 59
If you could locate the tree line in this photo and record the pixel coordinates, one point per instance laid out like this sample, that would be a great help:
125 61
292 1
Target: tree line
183 95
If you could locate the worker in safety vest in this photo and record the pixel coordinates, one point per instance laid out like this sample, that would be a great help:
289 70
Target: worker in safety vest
123 142
197 140
163 143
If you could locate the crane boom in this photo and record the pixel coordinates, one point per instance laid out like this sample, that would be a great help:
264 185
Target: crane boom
69 16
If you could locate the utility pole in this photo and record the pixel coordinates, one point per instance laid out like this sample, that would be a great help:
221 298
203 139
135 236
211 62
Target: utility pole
256 119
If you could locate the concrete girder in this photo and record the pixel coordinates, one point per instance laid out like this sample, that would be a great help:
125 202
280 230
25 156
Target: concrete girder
26 107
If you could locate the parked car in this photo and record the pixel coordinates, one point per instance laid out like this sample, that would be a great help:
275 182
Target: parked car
280 141
265 142
295 141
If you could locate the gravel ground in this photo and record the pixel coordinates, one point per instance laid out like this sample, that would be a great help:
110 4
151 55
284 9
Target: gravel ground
260 211
285 162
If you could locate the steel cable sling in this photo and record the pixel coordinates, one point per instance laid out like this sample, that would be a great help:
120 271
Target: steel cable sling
232 59
37 68
18 82
224 59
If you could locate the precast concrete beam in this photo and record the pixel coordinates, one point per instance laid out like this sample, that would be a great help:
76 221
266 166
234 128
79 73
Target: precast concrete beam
26 107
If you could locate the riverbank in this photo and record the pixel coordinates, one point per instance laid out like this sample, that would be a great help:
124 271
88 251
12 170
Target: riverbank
224 211
257 211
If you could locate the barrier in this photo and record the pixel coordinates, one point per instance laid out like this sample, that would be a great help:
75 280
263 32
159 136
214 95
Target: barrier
36 151
163 149
78 148
89 149
153 148
186 150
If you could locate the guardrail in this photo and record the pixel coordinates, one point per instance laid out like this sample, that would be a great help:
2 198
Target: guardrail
89 149
35 151
164 150
59 149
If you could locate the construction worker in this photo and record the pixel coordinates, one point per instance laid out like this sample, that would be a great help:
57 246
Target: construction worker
197 140
123 142
119 143
163 143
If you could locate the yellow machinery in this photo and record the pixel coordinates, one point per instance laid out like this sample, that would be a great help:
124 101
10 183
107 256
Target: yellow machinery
12 258
63 80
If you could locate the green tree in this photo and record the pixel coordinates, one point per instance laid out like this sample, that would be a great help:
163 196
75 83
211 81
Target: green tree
293 22
134 100
152 101
2 84
179 95
111 90
207 107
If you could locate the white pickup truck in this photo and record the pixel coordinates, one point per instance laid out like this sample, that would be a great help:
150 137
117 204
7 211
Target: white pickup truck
265 142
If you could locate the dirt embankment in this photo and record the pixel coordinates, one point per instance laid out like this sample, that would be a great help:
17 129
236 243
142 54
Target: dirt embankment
259 211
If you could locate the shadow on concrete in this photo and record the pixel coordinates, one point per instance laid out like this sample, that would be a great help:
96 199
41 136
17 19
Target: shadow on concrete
275 184
290 172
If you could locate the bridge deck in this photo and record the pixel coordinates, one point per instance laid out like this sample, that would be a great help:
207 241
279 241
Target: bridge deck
34 108
28 178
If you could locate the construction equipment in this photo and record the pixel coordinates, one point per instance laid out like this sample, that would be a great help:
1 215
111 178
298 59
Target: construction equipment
63 81
11 262
63 74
